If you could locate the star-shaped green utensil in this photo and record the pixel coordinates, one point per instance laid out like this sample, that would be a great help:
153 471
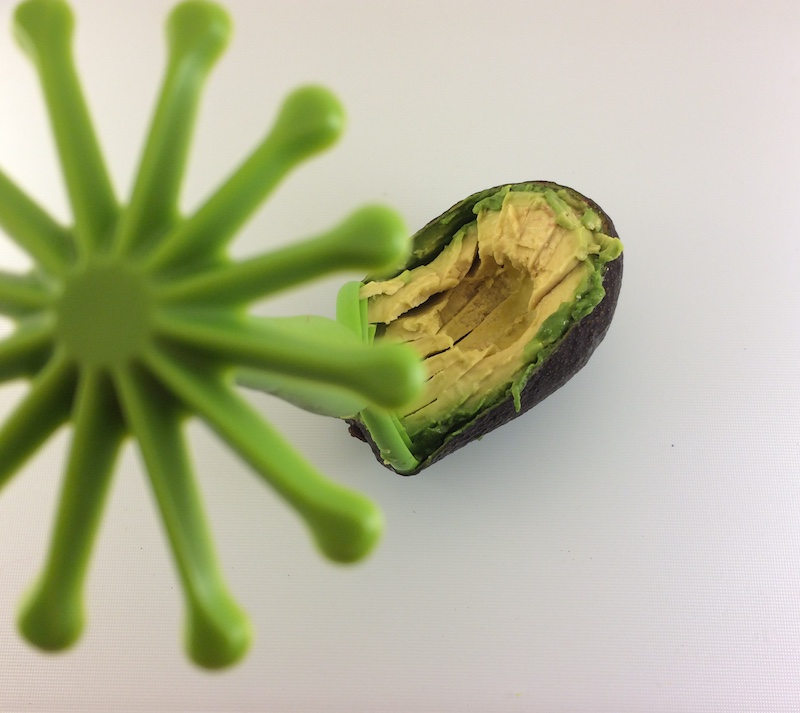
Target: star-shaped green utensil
135 319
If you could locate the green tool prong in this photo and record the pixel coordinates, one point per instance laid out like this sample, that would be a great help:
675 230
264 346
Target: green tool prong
312 396
197 34
23 294
388 433
218 632
44 31
383 425
52 616
310 120
45 407
370 238
345 525
24 352
388 375
348 309
31 228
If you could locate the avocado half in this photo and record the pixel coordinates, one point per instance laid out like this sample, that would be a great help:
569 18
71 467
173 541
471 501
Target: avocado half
505 296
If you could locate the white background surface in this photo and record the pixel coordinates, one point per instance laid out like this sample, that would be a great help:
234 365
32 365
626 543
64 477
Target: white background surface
633 544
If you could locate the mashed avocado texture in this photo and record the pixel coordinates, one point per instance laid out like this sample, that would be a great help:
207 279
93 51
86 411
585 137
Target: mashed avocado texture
489 306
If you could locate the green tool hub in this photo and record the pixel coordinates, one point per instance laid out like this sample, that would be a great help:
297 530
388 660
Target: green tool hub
135 317
105 315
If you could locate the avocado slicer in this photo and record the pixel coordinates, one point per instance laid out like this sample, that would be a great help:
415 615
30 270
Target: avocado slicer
135 319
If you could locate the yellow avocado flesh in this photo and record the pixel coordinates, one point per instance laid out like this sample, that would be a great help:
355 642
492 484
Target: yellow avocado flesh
472 311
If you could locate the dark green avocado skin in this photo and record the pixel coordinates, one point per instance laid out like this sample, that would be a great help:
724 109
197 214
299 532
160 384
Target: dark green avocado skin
564 362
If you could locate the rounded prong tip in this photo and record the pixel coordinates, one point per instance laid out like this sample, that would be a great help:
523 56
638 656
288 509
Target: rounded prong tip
49 622
199 28
219 638
373 238
349 528
310 120
397 374
41 24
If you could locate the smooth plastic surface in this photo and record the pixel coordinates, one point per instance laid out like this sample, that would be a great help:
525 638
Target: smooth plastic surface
135 319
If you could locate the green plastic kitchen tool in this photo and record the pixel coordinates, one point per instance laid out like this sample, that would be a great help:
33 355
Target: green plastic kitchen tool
135 319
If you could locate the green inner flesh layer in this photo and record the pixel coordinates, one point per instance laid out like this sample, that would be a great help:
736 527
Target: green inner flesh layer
491 305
